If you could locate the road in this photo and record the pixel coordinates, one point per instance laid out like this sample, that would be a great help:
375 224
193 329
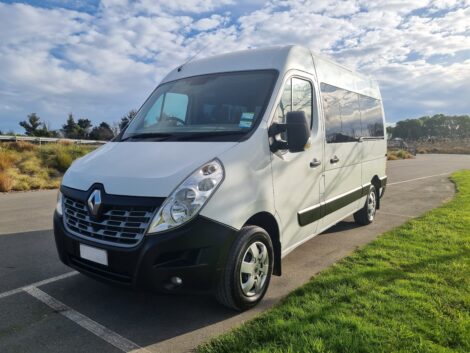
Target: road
76 314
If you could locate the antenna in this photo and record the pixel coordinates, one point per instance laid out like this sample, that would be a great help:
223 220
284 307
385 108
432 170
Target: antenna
193 57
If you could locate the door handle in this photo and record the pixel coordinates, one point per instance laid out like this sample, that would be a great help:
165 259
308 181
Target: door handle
334 160
315 163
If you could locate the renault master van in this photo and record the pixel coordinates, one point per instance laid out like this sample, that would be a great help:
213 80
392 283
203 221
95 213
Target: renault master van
230 164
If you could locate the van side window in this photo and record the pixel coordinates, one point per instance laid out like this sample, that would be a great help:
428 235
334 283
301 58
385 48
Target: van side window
372 120
297 96
285 106
349 115
332 98
302 100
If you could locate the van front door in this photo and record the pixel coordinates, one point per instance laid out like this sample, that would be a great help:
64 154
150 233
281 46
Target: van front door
297 176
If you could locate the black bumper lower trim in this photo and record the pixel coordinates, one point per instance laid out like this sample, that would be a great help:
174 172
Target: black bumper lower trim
196 253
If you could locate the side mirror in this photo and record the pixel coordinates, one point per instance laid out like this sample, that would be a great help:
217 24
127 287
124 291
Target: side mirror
298 131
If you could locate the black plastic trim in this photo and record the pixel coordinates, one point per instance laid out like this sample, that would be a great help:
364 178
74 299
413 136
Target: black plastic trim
196 252
314 214
110 199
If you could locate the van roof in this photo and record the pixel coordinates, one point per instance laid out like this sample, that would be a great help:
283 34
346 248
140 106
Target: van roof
282 59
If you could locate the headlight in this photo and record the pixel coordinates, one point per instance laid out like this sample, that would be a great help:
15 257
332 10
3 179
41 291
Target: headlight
58 206
187 200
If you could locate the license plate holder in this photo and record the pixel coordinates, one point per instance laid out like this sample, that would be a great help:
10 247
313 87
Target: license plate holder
96 255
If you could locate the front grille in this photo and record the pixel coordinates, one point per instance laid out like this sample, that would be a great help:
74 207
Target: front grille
118 225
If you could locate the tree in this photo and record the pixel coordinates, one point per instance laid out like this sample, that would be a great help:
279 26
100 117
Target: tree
439 125
84 127
126 119
34 127
71 129
102 132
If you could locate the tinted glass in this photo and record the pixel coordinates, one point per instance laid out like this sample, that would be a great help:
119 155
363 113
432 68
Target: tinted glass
225 102
372 119
302 97
349 116
332 98
298 96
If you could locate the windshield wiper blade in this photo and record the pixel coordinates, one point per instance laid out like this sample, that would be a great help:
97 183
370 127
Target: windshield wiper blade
197 135
144 135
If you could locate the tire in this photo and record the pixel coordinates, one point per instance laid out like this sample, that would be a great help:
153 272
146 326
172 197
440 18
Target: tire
242 288
366 214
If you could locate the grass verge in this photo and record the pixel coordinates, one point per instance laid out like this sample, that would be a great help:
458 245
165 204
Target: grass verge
24 166
407 291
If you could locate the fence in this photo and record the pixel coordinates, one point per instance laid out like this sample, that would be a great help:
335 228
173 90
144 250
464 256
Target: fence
40 140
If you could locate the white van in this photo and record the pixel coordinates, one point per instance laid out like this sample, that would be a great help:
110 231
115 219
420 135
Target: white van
231 163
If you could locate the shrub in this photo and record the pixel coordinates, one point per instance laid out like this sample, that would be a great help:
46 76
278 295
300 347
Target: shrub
6 161
6 183
21 146
401 154
63 161
30 165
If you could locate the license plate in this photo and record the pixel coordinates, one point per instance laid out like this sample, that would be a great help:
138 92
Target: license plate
93 254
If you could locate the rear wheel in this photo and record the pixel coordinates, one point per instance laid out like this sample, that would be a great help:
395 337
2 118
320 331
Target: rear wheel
366 214
247 273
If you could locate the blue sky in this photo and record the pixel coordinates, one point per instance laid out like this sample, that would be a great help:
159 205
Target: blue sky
99 59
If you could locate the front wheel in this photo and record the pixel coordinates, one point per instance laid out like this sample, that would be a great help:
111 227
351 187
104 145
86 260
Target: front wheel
366 214
247 273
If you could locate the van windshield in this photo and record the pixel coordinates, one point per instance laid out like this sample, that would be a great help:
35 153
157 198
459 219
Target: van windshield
222 106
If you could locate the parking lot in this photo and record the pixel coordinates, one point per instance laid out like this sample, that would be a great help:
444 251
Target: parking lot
46 307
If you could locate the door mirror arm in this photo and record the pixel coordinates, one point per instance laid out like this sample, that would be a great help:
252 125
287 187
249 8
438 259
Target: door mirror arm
274 130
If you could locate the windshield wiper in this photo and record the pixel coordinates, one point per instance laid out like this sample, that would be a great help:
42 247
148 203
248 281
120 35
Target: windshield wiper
147 135
208 134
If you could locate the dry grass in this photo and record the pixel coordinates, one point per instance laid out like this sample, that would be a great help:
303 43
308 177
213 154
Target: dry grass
447 146
24 166
400 154
6 183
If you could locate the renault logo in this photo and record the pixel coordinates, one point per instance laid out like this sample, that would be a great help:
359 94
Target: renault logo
94 202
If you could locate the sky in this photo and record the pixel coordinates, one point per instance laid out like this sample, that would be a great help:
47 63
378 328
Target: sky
99 59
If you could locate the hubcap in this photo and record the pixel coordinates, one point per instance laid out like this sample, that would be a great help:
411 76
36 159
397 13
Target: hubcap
371 205
254 269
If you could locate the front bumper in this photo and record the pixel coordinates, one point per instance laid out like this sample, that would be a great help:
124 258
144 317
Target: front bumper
195 252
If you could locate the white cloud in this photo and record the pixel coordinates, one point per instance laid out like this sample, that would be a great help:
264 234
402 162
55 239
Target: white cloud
101 64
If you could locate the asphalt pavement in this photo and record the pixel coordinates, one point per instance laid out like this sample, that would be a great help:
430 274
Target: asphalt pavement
46 307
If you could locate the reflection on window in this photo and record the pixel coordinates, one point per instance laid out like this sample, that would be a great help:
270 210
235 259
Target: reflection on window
372 122
349 116
297 96
223 102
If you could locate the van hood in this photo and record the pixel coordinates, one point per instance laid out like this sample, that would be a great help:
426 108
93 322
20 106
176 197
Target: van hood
150 169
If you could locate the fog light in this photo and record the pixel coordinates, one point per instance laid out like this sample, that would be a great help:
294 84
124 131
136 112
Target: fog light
176 281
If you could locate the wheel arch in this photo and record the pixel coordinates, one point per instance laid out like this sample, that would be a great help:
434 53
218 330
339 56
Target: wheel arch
268 222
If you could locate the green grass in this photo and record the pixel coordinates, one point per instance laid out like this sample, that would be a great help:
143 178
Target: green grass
24 166
407 291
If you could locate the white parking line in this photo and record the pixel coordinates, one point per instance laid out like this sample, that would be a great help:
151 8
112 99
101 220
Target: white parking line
38 284
102 332
409 180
